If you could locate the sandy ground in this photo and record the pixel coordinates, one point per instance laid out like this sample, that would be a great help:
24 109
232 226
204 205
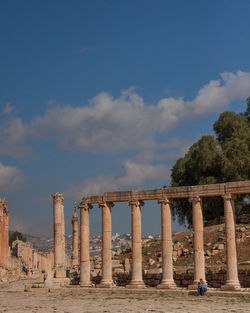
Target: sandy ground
77 301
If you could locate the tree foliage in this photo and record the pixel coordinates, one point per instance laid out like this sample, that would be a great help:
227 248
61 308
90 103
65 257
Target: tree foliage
16 235
219 159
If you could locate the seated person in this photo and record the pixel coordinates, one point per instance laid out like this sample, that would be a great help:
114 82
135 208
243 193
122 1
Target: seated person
202 287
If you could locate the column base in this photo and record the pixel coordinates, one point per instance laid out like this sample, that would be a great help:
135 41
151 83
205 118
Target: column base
56 282
231 286
106 284
136 285
167 284
85 284
60 273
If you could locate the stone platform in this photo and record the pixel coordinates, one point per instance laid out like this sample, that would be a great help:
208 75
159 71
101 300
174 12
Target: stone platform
244 292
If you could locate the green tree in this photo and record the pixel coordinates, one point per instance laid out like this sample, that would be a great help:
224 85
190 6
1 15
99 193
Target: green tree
247 113
202 164
233 133
16 235
215 160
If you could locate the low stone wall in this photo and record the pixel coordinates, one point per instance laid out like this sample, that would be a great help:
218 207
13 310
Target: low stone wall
214 280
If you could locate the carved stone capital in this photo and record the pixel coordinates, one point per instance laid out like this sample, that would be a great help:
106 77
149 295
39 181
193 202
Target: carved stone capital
108 204
229 196
165 201
136 202
58 197
194 199
85 206
3 203
75 217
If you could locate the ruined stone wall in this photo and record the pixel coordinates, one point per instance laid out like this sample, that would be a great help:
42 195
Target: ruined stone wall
32 258
23 250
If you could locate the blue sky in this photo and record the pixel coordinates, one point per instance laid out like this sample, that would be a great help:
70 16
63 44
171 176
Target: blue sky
105 95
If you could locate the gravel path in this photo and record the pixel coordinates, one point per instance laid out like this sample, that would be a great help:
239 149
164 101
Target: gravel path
78 301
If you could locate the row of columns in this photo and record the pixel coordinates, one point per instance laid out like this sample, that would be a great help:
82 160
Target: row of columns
167 282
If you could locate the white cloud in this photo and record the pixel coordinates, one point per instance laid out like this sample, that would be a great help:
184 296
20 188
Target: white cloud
13 135
108 124
216 96
10 178
135 175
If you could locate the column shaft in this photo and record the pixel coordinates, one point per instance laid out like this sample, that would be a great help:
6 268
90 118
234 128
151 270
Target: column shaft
1 236
59 240
6 237
232 282
63 234
75 261
166 241
107 280
199 260
84 246
136 281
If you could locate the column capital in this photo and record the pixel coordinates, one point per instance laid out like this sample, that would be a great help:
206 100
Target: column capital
85 206
165 201
58 197
136 202
104 203
195 199
229 196
74 217
3 204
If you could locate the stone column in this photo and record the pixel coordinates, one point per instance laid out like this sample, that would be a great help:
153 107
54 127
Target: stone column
1 233
63 236
136 281
107 280
167 281
232 282
6 249
84 245
59 240
75 261
199 260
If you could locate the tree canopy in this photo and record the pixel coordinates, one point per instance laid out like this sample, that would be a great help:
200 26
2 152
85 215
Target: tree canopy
16 235
215 159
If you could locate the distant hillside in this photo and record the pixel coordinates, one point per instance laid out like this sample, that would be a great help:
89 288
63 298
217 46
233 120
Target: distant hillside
214 249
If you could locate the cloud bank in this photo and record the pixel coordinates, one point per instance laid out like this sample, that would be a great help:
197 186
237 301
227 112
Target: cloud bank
108 124
10 178
135 174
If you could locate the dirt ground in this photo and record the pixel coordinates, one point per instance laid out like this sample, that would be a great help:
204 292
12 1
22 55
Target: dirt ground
78 301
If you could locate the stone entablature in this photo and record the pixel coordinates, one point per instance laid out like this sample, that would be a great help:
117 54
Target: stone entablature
228 191
212 190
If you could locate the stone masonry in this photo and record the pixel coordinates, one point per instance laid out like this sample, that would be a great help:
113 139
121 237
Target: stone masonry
164 196
31 258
